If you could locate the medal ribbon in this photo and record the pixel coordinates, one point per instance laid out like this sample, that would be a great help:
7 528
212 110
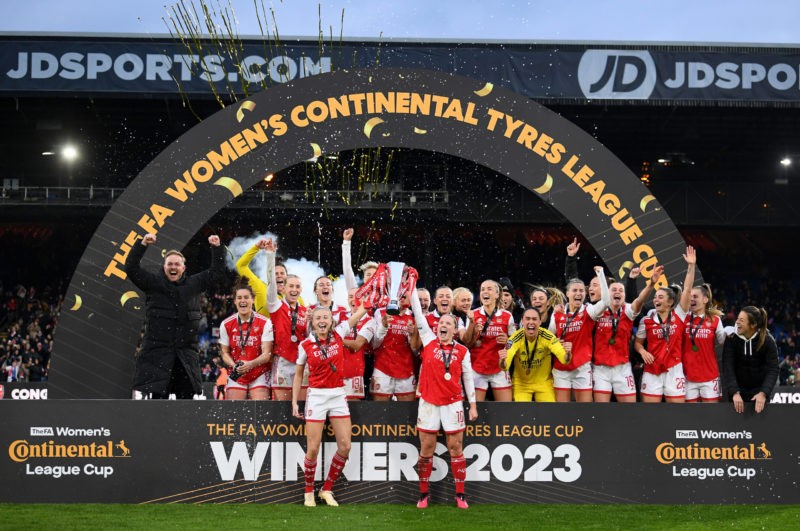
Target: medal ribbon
446 356
665 327
294 311
243 343
569 320
693 331
324 350
615 323
530 355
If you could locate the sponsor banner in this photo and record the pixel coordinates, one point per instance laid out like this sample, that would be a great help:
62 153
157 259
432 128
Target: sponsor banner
786 395
23 390
569 72
38 391
104 451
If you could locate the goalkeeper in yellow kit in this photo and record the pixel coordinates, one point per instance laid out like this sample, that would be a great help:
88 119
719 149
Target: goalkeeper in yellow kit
528 358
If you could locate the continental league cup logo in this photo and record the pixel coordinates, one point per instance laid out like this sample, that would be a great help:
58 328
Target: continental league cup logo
617 74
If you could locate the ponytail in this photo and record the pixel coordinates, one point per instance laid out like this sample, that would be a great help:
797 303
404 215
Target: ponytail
758 317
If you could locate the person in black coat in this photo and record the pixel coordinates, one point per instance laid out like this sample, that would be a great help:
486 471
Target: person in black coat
750 360
169 361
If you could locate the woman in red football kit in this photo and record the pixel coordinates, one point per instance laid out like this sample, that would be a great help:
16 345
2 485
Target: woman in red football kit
245 340
702 333
574 326
324 354
323 290
488 332
357 342
445 365
289 324
663 328
612 368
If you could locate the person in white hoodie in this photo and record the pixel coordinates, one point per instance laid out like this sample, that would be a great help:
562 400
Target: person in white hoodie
750 360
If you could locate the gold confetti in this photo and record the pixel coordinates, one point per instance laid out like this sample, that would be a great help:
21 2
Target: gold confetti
163 253
548 183
128 295
249 105
645 200
625 265
232 185
370 125
487 88
317 150
420 131
78 302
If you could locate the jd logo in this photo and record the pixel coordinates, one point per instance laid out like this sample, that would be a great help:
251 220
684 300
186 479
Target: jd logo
617 74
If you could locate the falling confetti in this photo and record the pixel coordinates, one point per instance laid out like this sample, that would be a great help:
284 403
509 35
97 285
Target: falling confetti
128 295
548 183
645 200
370 125
232 185
249 105
487 88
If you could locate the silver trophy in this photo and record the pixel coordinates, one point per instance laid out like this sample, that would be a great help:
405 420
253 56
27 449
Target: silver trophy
396 270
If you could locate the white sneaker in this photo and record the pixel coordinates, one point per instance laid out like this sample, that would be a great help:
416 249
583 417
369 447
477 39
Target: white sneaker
310 501
327 497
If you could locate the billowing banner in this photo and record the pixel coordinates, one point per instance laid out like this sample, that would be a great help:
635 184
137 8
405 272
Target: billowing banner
543 71
210 165
104 451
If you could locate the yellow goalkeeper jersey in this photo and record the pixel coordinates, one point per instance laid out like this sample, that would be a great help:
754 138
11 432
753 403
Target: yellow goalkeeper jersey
531 362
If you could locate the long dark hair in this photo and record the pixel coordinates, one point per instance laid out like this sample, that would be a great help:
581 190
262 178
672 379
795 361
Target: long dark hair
758 317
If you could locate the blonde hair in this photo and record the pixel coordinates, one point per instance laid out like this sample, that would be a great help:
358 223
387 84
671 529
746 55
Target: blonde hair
458 291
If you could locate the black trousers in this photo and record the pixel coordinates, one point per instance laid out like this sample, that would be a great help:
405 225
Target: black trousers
179 384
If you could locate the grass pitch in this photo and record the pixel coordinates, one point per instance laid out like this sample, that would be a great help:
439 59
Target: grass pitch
374 517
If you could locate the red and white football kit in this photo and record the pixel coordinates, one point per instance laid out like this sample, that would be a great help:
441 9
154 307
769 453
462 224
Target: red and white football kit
244 338
665 342
576 328
326 394
353 370
485 352
612 368
701 335
394 359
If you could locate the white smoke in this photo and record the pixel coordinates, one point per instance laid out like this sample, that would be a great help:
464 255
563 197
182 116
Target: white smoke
307 270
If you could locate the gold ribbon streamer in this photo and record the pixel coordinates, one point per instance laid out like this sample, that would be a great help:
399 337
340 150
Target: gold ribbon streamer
233 186
249 105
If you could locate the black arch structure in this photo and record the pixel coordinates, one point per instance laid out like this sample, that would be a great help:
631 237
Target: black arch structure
100 324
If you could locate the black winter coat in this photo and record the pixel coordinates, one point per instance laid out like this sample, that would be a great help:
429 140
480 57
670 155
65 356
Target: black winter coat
172 316
746 369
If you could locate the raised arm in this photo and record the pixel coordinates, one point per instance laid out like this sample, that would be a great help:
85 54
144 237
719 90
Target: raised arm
216 272
425 333
596 310
571 262
688 282
243 263
647 290
347 260
144 280
273 302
